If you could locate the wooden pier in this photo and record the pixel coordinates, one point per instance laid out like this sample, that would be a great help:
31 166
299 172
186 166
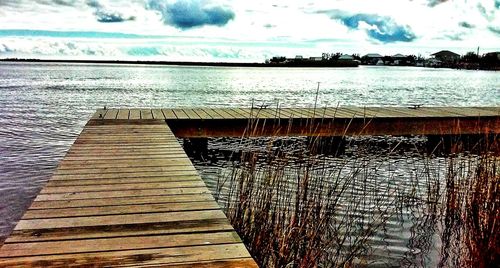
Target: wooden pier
333 121
126 194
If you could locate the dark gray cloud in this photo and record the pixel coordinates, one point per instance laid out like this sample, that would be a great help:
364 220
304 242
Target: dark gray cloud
433 3
187 14
93 3
384 29
488 14
107 16
110 16
497 4
64 2
6 49
467 25
495 30
454 37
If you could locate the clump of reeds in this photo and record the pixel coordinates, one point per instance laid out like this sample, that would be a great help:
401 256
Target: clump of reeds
293 208
471 209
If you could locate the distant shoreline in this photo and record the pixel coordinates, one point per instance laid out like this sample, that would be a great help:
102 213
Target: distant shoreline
187 63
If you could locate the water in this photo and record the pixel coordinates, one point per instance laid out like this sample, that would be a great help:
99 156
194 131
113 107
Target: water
43 107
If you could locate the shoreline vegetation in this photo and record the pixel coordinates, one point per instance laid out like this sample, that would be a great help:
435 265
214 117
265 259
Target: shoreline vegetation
190 63
442 59
294 208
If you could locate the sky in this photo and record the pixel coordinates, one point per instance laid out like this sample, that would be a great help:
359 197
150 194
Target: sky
243 30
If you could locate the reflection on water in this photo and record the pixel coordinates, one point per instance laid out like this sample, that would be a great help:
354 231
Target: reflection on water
43 107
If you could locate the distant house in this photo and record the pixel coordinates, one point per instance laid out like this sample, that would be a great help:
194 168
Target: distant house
371 58
446 56
315 58
399 59
346 57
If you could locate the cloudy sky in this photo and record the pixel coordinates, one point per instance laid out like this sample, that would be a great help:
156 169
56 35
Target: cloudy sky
243 30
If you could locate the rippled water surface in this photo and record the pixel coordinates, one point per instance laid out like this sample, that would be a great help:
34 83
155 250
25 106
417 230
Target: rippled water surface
43 107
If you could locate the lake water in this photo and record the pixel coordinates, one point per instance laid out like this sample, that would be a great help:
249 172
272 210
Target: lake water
43 107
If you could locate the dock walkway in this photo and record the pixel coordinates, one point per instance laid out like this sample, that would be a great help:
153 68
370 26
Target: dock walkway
125 195
325 121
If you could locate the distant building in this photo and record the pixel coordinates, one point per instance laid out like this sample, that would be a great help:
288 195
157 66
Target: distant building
399 59
346 57
446 56
373 55
371 58
316 58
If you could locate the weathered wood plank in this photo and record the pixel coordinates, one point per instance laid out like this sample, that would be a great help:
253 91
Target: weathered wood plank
113 171
180 114
123 114
146 114
212 113
122 180
155 228
190 256
119 210
174 172
120 243
118 219
111 114
202 114
157 114
191 114
115 201
50 189
122 193
169 114
99 114
135 114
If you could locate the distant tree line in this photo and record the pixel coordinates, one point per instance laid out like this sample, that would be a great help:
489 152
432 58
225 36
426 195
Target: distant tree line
488 61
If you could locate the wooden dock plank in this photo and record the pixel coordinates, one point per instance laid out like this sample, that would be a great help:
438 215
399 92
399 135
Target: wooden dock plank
223 113
264 113
146 114
212 113
129 200
191 114
157 114
51 189
75 182
135 114
111 114
169 114
120 243
202 114
224 255
153 217
98 232
99 114
123 114
180 114
119 210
